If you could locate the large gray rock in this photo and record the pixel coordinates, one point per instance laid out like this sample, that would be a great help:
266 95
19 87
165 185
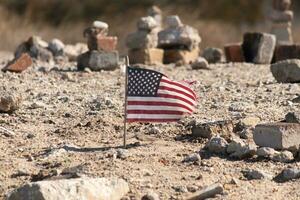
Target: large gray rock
277 135
72 189
178 36
287 71
142 39
9 102
288 174
259 47
98 61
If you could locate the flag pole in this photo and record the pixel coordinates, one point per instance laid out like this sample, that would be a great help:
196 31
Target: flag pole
125 105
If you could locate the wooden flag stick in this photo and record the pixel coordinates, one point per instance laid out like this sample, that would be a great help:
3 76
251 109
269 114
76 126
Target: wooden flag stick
125 105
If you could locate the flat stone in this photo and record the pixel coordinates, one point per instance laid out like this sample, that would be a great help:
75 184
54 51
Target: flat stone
180 56
234 53
83 188
213 55
100 25
259 48
200 63
256 174
286 52
142 40
277 135
19 64
146 56
98 61
287 71
293 117
210 129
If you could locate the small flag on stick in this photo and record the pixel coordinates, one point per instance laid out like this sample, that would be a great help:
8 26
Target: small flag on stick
153 97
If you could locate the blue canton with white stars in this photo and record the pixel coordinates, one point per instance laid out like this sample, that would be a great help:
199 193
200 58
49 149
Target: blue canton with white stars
143 82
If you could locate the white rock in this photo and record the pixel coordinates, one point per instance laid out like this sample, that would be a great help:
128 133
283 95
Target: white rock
266 152
192 158
284 157
100 25
147 23
56 47
73 189
217 145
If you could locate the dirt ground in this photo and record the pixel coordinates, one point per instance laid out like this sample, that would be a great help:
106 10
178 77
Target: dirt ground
75 119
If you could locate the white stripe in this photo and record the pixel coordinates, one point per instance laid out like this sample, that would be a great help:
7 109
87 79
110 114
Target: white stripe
171 108
176 94
175 86
160 99
152 116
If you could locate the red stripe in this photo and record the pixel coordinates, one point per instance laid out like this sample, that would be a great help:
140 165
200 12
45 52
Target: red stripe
179 85
158 112
178 91
152 103
152 120
175 97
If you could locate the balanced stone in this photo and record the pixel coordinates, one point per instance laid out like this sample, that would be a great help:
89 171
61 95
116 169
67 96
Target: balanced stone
178 36
259 47
146 56
286 51
147 23
141 40
277 135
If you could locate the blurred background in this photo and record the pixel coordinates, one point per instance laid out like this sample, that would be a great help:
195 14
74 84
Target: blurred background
218 21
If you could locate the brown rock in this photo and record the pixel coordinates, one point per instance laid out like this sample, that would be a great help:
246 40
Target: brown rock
182 56
146 56
19 64
234 53
103 43
287 51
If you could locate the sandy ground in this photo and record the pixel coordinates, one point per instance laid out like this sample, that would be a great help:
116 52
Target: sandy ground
71 118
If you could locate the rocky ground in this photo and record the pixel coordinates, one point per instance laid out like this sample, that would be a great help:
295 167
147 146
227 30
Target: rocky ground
72 120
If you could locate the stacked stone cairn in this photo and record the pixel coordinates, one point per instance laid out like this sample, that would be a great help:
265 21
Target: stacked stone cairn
142 44
102 54
281 18
180 42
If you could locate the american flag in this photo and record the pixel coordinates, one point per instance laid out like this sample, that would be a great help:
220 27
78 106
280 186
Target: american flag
152 97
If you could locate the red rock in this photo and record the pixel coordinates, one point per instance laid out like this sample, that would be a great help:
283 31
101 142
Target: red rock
234 53
102 43
287 51
19 64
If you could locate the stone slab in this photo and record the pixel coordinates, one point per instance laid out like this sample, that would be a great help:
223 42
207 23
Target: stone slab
98 61
277 135
259 47
146 56
286 51
181 56
234 53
